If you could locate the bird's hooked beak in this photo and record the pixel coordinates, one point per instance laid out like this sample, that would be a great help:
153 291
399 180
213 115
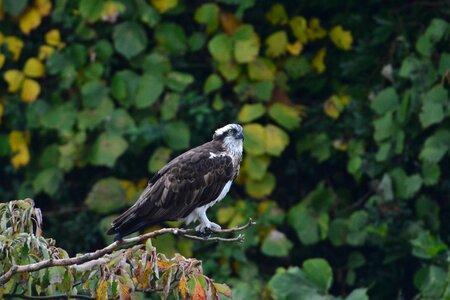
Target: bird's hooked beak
240 136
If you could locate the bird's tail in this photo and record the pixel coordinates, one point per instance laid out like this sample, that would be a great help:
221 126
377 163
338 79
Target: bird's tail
127 223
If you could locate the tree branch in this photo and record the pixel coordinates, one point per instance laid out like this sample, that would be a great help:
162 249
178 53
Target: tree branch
87 257
58 296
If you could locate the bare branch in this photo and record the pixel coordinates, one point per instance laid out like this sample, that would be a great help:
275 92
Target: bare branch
92 256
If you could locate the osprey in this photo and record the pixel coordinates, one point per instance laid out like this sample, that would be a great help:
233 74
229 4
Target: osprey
187 186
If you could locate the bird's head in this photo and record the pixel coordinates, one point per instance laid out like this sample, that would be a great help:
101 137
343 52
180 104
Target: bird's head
231 136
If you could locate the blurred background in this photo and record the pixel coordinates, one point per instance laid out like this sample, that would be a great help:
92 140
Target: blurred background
345 111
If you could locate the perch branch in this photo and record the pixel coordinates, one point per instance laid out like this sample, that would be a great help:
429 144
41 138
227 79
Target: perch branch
78 260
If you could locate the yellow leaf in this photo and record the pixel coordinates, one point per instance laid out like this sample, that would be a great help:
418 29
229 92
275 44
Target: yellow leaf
101 292
295 48
340 145
318 61
2 37
341 38
124 292
45 51
30 90
164 5
276 140
277 14
254 138
276 43
315 31
224 214
183 287
14 78
18 144
111 10
2 60
53 38
34 68
299 28
22 158
130 189
43 6
330 108
30 20
15 46
261 188
223 289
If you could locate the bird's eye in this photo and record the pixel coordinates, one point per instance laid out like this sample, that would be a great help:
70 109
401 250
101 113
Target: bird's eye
230 131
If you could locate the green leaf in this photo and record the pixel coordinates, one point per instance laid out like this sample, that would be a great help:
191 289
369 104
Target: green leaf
338 232
358 294
159 159
148 91
431 172
256 166
93 93
384 127
229 70
196 41
91 9
129 38
291 284
276 244
261 188
60 117
276 44
385 101
208 14
220 47
14 7
405 186
276 140
318 144
247 44
424 46
48 181
254 142
284 115
426 246
304 223
106 196
91 118
261 69
262 90
178 81
120 122
250 112
432 282
107 149
177 135
436 146
433 106
155 63
170 106
319 272
171 37
212 83
436 30
297 67
444 63
124 86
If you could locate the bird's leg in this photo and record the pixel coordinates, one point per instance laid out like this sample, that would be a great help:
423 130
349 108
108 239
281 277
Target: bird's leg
205 223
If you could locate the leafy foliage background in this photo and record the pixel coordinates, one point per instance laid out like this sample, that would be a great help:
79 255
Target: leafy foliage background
345 110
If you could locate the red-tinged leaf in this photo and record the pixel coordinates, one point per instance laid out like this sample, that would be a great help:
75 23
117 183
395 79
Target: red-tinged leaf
146 276
102 291
124 292
199 292
223 289
164 264
183 287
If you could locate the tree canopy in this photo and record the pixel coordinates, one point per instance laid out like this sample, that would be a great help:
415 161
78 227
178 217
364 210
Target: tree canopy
345 112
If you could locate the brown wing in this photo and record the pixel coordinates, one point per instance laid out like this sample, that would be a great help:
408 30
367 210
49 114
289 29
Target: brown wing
191 180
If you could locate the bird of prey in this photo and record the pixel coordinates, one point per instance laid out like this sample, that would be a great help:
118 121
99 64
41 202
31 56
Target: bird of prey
187 186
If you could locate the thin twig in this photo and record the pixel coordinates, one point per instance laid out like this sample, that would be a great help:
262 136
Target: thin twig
188 233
